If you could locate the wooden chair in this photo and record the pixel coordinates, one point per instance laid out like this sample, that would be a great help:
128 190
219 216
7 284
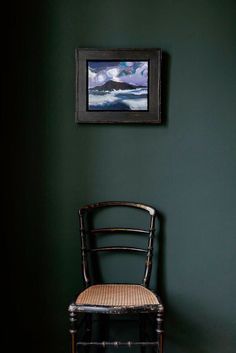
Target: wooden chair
115 299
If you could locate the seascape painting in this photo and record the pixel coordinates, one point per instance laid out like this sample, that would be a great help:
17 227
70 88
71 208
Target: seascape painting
117 85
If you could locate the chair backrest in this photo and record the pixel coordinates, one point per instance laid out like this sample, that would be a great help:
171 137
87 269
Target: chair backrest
87 230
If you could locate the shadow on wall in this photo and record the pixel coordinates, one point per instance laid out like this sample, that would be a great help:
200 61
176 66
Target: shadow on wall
188 327
188 334
176 322
29 255
165 86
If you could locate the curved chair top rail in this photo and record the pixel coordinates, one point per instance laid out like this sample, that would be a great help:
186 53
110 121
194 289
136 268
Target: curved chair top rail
151 210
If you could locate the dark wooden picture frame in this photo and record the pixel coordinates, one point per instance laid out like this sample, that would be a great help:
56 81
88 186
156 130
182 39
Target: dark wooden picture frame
150 112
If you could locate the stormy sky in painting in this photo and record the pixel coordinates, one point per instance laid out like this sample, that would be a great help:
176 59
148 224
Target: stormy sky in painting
132 72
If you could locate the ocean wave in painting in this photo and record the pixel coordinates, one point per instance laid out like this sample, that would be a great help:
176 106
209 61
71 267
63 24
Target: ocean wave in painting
129 99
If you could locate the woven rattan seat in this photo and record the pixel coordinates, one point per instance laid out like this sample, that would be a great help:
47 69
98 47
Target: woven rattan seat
117 295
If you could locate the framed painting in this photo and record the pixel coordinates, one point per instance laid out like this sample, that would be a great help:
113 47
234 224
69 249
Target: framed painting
118 86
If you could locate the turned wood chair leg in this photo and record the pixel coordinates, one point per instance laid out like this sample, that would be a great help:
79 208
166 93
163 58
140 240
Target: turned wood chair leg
73 332
160 330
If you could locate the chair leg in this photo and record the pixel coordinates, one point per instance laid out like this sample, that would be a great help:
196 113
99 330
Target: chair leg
88 334
142 328
88 326
104 331
159 330
73 332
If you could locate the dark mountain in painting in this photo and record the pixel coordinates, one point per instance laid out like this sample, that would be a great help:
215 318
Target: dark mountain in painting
114 85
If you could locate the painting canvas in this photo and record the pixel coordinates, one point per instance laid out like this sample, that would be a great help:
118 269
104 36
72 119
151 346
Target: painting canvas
117 85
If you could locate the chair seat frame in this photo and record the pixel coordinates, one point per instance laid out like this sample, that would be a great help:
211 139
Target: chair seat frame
75 310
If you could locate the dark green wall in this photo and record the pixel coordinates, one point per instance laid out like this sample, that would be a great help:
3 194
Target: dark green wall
186 167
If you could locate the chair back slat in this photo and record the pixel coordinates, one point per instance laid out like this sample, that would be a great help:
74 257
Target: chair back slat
117 248
118 230
85 232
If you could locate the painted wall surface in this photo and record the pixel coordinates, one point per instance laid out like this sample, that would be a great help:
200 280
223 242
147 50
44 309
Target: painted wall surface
186 167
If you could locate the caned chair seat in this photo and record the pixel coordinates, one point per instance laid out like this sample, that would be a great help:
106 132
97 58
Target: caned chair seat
125 295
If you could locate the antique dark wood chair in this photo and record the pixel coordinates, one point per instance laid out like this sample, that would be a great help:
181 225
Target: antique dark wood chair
115 299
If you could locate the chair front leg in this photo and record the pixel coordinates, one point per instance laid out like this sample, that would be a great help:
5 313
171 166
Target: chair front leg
160 329
73 331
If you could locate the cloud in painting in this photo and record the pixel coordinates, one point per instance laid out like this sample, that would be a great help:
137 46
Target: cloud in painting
132 72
